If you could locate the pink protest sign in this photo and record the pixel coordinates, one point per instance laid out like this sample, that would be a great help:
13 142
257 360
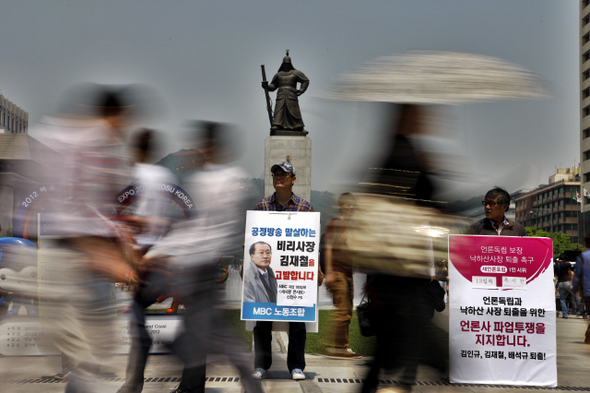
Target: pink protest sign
505 261
502 311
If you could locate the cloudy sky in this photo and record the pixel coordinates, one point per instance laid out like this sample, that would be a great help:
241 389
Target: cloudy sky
203 58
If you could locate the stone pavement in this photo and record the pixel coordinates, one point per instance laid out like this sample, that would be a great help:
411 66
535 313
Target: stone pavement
22 374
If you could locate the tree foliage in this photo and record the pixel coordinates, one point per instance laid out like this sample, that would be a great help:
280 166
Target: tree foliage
561 242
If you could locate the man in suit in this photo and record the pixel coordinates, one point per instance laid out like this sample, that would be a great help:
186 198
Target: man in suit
260 284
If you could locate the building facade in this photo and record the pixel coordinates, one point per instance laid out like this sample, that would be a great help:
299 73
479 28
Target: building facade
13 120
585 114
553 207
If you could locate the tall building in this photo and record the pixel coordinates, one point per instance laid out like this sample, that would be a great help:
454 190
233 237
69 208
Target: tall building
13 120
20 171
553 207
585 115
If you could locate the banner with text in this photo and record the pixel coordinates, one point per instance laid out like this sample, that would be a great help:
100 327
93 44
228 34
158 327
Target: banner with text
281 266
502 310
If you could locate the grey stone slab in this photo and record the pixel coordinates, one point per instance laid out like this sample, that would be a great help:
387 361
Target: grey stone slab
296 150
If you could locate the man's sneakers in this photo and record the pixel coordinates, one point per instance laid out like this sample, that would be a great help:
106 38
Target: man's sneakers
259 373
341 353
297 374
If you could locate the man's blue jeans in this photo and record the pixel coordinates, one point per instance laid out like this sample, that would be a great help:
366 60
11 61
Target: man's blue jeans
565 287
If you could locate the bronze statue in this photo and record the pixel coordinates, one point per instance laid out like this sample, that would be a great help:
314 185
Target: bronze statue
287 115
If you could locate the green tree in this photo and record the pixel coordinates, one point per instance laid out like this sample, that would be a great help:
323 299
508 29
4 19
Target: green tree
534 232
561 242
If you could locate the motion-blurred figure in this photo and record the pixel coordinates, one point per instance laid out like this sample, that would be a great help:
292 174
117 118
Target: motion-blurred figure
563 271
87 251
581 280
402 305
338 266
152 214
152 220
191 249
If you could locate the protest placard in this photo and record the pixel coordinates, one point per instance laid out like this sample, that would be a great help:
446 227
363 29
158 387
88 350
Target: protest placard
502 310
281 266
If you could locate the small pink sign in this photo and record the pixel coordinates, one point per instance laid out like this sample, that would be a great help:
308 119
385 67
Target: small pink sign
508 262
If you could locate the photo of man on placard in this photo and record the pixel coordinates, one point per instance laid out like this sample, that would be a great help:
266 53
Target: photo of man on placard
260 284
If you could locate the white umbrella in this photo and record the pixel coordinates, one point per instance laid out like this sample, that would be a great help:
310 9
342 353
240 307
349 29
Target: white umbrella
436 77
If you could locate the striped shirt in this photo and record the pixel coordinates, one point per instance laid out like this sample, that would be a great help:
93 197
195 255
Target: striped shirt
295 204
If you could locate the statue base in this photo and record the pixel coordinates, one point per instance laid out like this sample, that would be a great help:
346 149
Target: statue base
297 151
288 133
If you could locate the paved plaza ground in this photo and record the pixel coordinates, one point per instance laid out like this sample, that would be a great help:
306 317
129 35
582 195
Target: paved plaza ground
24 374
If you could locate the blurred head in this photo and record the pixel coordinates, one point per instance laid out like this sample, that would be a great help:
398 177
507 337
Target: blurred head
111 107
283 176
261 253
142 147
496 203
346 204
216 142
116 104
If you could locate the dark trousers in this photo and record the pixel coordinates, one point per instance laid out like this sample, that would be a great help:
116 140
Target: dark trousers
586 300
263 349
402 315
205 332
153 286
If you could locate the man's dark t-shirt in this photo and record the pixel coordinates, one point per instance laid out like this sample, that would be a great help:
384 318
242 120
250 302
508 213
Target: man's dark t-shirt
562 271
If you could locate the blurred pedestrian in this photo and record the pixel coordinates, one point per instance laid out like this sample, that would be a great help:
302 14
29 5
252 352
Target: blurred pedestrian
191 249
151 220
581 280
88 251
339 280
564 274
402 306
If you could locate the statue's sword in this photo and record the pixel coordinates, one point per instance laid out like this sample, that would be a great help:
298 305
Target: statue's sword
268 106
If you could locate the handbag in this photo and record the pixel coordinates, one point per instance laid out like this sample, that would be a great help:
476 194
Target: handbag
365 311
397 236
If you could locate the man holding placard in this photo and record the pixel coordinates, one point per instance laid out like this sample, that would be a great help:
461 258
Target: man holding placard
283 199
502 312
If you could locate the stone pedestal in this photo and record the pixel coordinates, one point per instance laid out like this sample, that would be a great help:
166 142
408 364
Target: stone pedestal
297 151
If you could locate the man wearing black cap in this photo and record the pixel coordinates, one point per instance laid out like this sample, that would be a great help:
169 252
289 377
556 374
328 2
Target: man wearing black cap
283 178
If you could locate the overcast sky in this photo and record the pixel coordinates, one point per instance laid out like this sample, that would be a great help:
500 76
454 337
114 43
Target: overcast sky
204 57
